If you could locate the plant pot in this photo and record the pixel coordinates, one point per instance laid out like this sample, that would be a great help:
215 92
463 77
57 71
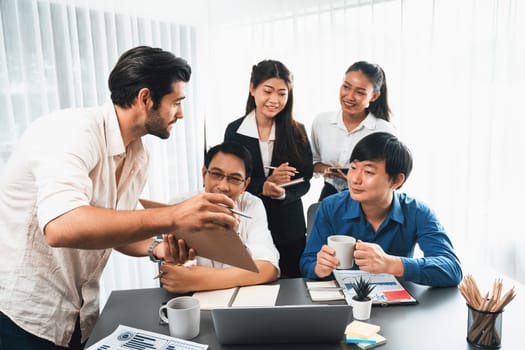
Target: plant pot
361 309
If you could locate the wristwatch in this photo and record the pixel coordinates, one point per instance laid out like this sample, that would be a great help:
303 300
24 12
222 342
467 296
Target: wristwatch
155 243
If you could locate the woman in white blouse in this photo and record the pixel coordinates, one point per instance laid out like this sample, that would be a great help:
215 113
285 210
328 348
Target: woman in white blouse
364 110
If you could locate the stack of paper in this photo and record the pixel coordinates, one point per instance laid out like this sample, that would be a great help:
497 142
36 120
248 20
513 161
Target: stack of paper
324 291
365 335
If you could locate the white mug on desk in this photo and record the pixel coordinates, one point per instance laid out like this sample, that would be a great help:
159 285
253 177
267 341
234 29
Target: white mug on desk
344 247
183 316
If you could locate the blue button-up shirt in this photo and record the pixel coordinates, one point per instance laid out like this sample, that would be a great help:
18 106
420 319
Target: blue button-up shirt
408 223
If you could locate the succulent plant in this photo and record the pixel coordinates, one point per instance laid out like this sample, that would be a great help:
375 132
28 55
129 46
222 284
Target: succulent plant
362 289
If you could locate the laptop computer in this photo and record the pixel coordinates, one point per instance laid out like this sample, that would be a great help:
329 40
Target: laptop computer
281 324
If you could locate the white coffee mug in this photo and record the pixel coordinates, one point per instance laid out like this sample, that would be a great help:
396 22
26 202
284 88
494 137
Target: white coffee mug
344 247
183 316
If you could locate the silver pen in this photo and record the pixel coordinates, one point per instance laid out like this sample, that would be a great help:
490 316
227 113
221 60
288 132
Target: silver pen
235 211
274 167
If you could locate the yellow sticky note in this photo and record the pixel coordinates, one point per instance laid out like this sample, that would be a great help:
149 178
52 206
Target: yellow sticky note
379 341
361 329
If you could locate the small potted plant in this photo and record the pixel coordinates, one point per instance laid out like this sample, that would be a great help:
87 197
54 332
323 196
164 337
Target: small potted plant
361 301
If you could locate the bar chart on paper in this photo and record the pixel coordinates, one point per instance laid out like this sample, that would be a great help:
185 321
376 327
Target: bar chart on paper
126 338
388 290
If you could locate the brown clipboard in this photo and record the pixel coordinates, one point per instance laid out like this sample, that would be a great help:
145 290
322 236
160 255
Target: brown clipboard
225 247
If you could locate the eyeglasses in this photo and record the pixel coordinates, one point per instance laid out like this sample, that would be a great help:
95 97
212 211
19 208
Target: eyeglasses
232 179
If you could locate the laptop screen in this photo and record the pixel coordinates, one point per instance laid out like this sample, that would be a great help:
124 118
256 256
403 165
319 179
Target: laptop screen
281 324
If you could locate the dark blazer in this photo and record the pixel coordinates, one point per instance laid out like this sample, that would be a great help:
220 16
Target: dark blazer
285 217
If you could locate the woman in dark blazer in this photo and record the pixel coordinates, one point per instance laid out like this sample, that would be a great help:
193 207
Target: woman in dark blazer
281 152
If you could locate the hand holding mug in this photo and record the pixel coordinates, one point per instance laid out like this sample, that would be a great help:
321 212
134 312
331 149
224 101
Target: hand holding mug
326 262
344 247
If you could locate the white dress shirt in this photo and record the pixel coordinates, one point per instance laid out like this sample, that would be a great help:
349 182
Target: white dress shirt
333 144
64 160
248 128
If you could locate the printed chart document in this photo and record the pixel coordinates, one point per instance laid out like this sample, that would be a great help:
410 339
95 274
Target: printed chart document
387 289
125 338
249 296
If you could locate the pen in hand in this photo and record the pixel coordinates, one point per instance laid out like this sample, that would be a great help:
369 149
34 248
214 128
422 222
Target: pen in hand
162 273
159 275
235 211
274 167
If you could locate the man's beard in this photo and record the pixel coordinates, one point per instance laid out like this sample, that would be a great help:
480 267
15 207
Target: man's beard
155 125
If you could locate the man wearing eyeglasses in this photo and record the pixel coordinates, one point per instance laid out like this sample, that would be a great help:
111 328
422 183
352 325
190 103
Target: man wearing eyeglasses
227 170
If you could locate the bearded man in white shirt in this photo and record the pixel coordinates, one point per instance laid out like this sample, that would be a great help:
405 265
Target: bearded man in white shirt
68 194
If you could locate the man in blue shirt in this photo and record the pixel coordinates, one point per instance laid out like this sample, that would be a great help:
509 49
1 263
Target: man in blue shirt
386 224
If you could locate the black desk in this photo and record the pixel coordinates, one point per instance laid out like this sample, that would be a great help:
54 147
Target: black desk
438 321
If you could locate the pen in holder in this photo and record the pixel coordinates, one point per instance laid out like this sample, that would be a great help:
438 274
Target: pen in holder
485 313
484 328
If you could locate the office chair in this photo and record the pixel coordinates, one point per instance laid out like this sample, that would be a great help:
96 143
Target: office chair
310 215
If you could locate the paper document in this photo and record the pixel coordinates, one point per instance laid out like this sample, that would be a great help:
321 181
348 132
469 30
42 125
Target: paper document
388 290
125 338
325 291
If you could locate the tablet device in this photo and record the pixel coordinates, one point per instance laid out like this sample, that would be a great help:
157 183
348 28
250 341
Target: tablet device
343 170
223 246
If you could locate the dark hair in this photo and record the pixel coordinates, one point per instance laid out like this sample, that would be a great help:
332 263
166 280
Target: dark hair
387 147
234 148
290 141
377 77
146 67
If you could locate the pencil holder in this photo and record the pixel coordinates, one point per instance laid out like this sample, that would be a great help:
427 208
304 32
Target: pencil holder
484 328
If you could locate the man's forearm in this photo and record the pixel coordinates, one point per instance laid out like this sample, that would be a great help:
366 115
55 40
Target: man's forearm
138 249
98 228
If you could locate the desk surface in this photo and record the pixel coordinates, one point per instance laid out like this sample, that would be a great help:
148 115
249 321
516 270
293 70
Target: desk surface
438 321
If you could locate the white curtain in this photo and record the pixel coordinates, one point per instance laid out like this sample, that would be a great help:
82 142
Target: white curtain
58 55
454 72
455 75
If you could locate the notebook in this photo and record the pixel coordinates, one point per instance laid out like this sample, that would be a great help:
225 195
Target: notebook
281 324
248 296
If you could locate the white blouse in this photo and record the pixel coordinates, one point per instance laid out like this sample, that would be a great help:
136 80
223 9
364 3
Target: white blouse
248 128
